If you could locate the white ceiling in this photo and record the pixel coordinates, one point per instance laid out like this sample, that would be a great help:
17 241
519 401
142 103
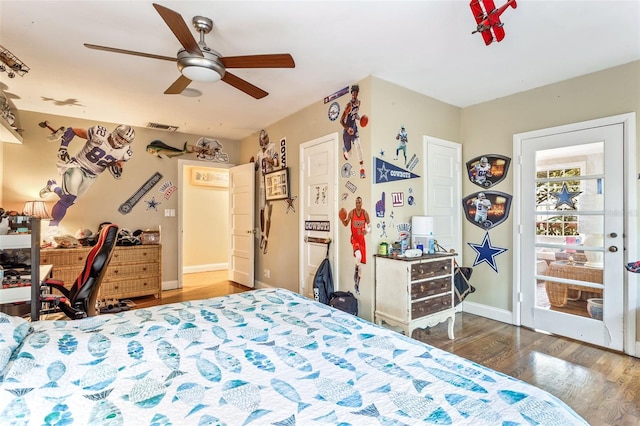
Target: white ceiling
426 46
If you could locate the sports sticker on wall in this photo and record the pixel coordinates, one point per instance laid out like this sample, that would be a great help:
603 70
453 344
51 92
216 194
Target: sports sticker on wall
387 172
350 119
125 208
380 206
152 204
485 252
487 209
488 169
167 189
283 152
205 148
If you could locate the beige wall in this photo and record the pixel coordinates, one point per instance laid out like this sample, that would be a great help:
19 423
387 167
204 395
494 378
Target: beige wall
488 128
388 106
484 128
27 167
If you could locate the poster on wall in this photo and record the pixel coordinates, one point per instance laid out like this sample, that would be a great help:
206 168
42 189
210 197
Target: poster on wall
488 170
487 209
387 172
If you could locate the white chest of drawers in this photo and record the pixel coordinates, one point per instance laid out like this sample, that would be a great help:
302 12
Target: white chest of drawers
415 292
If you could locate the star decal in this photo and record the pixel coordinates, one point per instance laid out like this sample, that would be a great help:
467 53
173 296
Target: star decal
565 197
382 153
153 204
486 252
290 201
384 172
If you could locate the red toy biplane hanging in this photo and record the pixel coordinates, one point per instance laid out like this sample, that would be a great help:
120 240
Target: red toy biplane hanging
488 19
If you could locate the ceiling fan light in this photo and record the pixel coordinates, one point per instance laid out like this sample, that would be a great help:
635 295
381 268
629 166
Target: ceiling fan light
198 73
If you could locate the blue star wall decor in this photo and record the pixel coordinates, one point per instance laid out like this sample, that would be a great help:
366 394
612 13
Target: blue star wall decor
486 252
153 204
565 197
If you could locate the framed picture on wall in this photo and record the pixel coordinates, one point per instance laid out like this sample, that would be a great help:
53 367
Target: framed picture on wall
209 177
276 184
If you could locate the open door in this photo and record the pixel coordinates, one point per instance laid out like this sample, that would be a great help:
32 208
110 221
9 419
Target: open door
570 242
241 221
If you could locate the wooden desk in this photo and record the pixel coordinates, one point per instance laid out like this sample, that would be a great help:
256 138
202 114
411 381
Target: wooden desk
558 293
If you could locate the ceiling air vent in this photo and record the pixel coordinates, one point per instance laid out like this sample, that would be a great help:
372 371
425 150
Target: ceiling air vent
159 126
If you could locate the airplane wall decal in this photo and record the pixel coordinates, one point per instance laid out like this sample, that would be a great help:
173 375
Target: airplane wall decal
488 19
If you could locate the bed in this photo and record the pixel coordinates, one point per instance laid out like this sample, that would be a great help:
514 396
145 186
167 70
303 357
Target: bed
267 356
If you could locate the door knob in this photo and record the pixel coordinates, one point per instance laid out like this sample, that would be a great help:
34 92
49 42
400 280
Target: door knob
613 249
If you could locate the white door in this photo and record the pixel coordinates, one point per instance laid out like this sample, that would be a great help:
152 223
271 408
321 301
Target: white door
241 221
319 209
569 234
444 191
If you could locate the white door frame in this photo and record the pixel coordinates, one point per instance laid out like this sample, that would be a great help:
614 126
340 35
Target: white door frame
333 203
182 165
628 120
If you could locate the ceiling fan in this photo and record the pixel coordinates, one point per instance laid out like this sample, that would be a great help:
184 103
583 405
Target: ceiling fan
198 62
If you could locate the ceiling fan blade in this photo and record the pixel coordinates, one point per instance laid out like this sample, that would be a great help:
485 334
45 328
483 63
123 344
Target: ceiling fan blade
244 85
179 28
129 52
277 60
178 86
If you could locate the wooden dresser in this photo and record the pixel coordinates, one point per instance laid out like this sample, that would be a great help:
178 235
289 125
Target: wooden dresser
133 271
415 292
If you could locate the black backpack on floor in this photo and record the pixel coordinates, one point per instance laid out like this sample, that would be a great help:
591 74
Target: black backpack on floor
345 301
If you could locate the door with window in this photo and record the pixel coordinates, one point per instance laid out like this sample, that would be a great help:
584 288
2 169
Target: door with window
569 234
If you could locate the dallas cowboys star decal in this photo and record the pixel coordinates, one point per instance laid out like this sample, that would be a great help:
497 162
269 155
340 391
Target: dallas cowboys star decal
153 204
565 197
384 172
290 201
486 252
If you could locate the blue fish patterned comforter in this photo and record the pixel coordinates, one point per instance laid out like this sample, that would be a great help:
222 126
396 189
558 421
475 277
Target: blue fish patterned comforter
265 357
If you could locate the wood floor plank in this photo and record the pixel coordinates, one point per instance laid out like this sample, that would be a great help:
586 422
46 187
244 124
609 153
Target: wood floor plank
602 386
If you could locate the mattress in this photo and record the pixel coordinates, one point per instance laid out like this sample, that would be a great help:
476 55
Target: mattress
267 356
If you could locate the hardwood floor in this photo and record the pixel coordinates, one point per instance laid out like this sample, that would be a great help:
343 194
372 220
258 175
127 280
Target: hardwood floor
602 386
199 285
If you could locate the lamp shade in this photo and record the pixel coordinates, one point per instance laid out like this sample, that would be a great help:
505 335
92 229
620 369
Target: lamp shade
36 209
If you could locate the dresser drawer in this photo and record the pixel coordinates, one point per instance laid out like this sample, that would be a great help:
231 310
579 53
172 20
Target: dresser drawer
130 287
430 306
424 289
420 271
64 257
125 270
135 254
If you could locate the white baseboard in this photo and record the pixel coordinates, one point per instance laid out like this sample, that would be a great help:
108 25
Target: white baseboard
488 312
260 284
169 285
204 268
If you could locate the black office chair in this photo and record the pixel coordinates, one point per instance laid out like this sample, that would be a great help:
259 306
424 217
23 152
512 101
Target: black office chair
80 300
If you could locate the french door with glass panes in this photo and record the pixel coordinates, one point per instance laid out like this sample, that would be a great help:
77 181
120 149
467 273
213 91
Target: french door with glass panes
571 234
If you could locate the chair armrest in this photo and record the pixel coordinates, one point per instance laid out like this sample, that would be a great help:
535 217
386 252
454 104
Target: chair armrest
56 284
